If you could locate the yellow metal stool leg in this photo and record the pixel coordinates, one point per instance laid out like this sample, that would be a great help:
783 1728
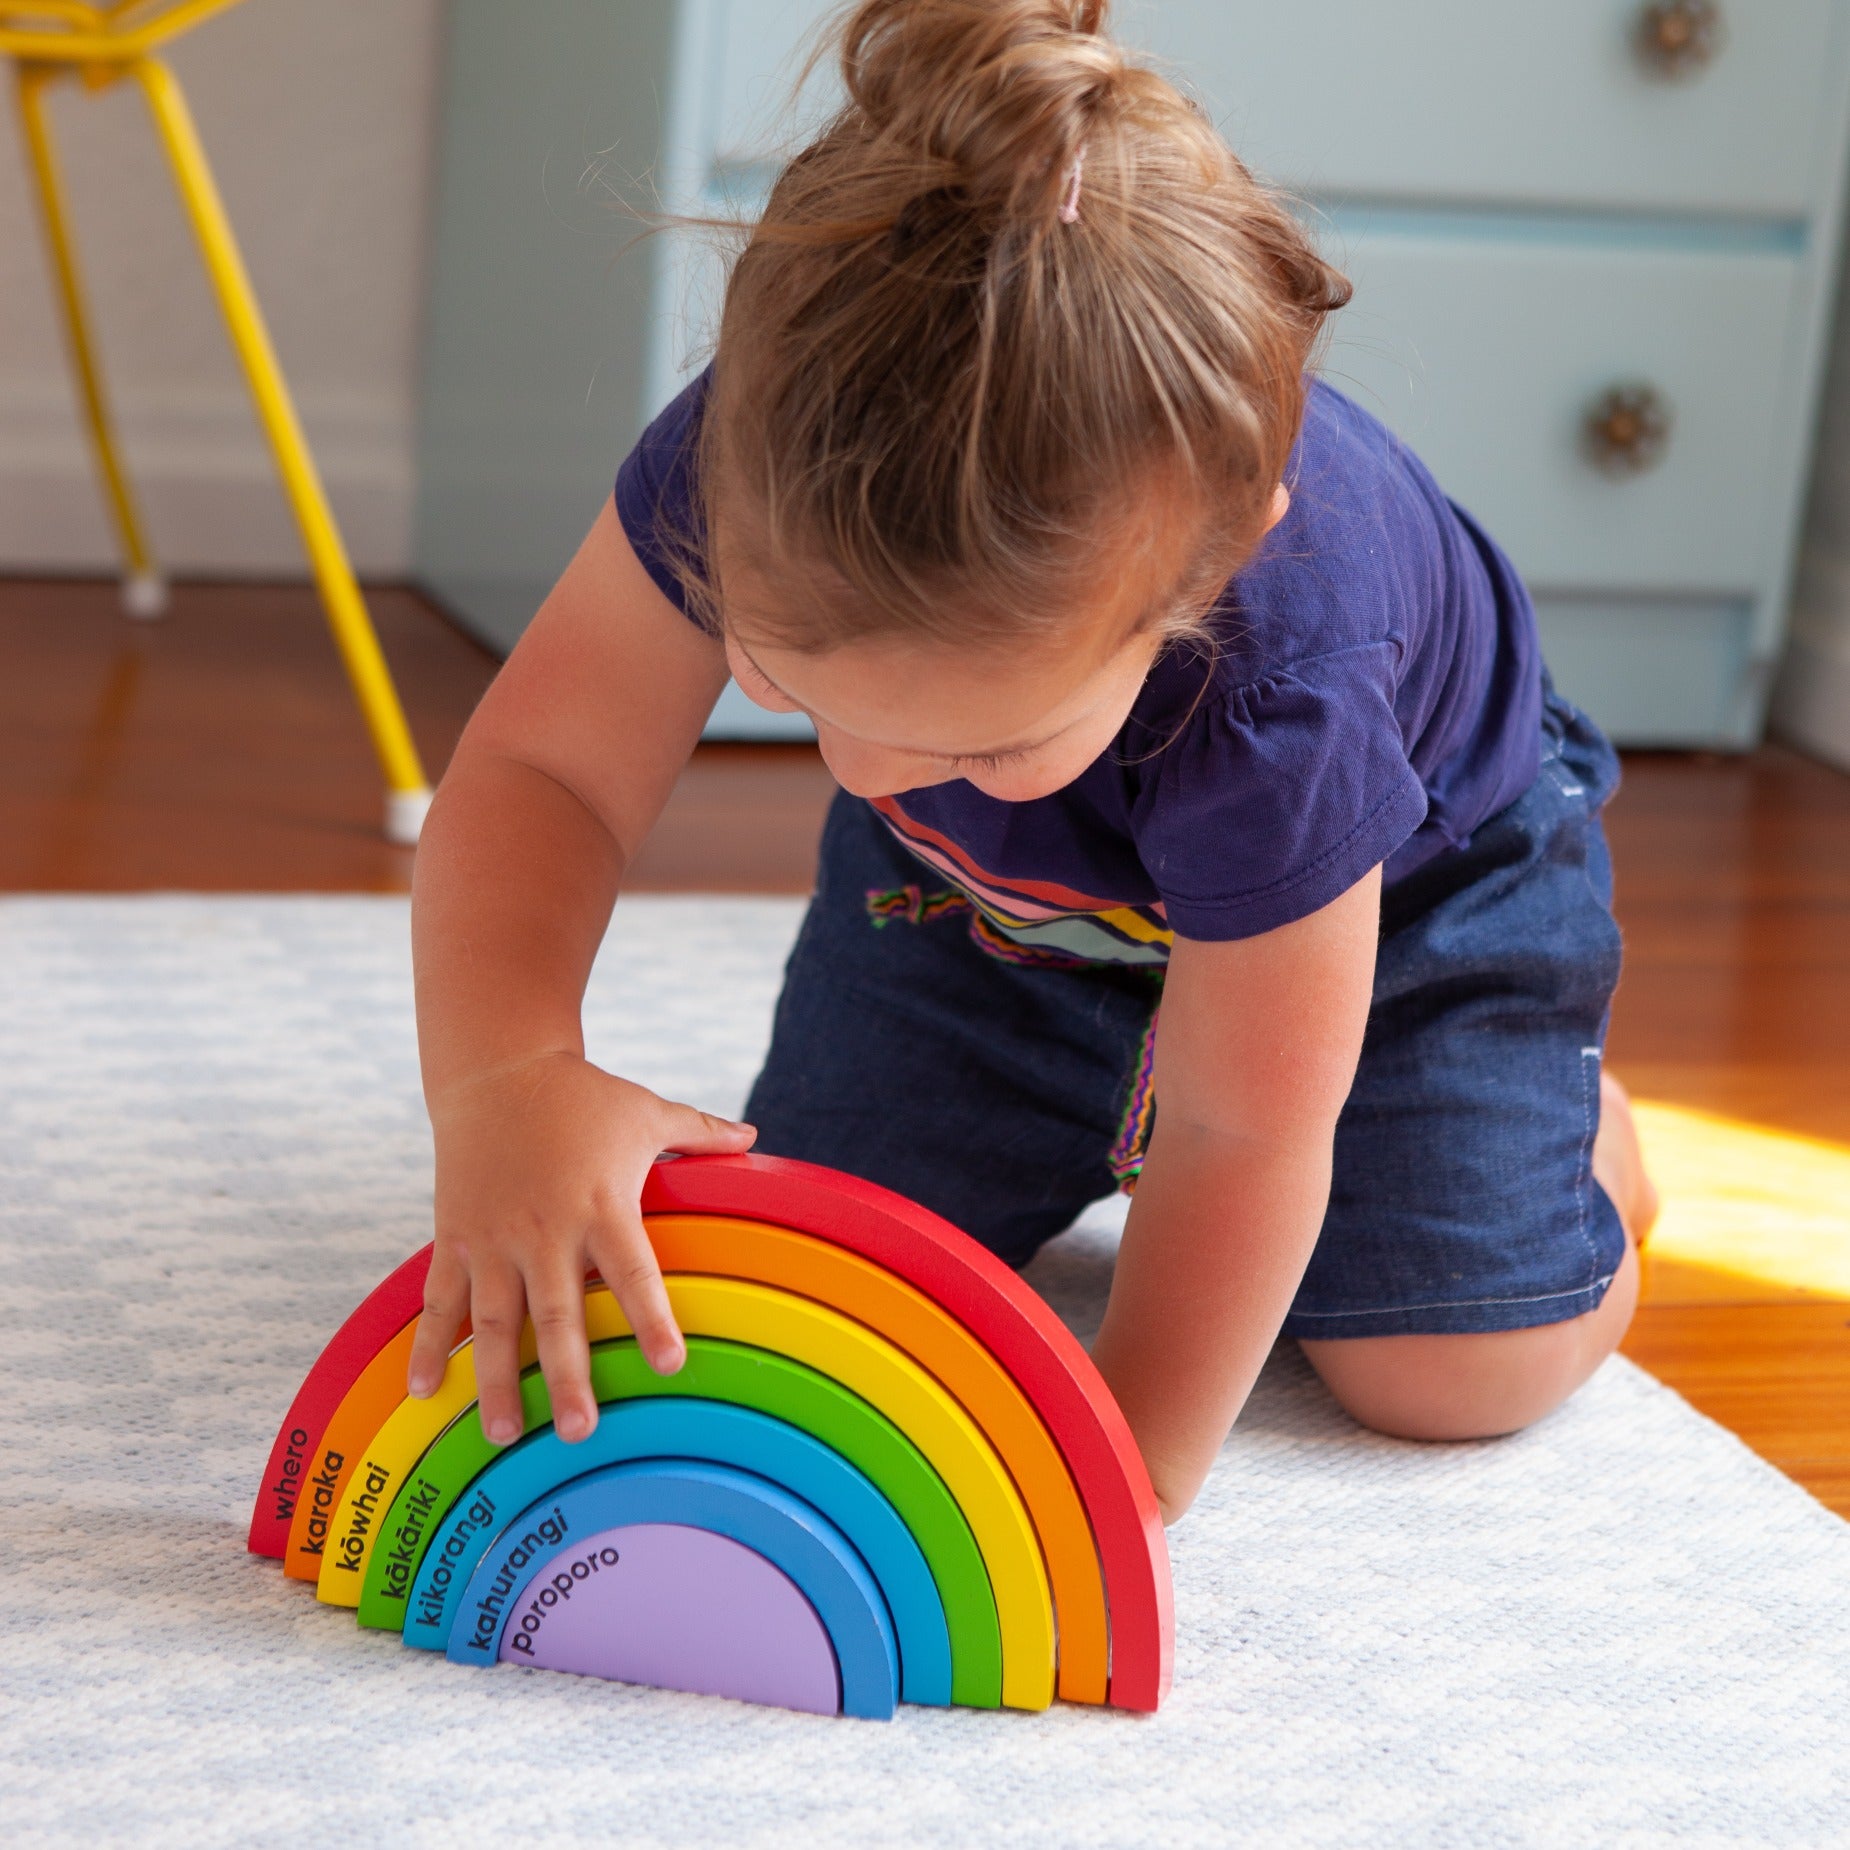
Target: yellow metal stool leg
407 794
144 594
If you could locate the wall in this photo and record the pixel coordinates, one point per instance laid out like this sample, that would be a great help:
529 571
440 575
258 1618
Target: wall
542 296
1811 704
317 115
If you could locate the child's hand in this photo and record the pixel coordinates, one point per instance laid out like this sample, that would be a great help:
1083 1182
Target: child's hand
540 1169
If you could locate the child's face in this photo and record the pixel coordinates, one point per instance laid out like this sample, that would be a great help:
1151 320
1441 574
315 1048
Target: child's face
1018 721
891 716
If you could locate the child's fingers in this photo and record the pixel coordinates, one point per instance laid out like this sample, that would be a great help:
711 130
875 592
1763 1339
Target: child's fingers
556 1303
699 1133
498 1309
446 1298
625 1260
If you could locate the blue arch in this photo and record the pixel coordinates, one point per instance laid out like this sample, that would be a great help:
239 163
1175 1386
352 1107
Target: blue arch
716 1433
788 1532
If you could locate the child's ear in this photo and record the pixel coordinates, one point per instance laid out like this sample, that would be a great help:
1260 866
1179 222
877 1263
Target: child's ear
1281 506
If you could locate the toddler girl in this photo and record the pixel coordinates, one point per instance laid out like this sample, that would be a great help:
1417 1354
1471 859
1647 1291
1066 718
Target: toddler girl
1207 820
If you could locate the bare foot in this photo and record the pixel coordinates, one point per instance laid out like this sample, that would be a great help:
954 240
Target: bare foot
1618 1162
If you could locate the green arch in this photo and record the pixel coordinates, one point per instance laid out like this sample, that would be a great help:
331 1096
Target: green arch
735 1372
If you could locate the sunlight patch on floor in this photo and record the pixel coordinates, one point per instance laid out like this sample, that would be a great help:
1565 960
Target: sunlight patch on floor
1751 1215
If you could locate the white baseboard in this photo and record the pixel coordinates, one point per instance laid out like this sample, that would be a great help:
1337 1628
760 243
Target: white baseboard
206 483
1811 702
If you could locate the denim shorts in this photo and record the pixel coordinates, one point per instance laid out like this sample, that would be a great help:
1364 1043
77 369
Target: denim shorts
910 1048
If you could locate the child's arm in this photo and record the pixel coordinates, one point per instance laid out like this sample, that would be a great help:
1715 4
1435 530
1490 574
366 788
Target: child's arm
540 1156
1255 1054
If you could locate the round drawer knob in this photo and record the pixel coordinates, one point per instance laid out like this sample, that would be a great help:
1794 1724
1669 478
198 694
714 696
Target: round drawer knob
1627 429
1679 38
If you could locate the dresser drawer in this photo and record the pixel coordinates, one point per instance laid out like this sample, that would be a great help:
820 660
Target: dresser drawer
1656 671
1484 100
1487 354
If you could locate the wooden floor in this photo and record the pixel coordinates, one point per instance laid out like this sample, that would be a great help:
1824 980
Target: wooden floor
217 750
1733 886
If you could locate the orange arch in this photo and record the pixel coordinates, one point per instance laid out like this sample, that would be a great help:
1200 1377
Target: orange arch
924 1330
362 1411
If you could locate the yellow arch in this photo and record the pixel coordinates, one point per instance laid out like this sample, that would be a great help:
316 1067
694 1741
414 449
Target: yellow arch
926 1331
834 1345
391 1448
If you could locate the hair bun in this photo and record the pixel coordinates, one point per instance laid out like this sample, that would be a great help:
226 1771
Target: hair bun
933 402
995 98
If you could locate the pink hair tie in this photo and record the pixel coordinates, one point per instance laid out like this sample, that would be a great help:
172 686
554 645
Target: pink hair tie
1069 206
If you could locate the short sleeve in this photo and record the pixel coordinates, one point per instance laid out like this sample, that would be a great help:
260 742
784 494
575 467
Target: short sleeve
655 491
1279 795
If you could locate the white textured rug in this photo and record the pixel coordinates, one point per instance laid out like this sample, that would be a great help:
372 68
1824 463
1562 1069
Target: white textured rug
1618 1629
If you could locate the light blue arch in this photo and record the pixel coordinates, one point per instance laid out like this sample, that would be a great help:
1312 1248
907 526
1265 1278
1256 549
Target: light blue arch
789 1533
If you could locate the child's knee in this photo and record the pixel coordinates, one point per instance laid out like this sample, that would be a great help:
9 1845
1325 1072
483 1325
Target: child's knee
1455 1387
1451 1387
1476 1386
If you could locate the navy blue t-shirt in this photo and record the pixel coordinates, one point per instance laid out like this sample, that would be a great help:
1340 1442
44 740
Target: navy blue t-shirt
1373 694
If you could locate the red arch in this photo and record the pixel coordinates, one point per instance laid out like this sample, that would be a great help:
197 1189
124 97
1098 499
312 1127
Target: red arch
387 1308
947 1265
1012 1320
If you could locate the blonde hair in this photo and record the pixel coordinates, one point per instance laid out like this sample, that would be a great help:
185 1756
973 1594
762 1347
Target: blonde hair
1014 289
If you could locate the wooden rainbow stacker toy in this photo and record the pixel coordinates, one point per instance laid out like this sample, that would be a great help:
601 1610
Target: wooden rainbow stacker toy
886 1473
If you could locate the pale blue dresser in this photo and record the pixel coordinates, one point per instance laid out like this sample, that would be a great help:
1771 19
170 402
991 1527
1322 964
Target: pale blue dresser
1593 245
